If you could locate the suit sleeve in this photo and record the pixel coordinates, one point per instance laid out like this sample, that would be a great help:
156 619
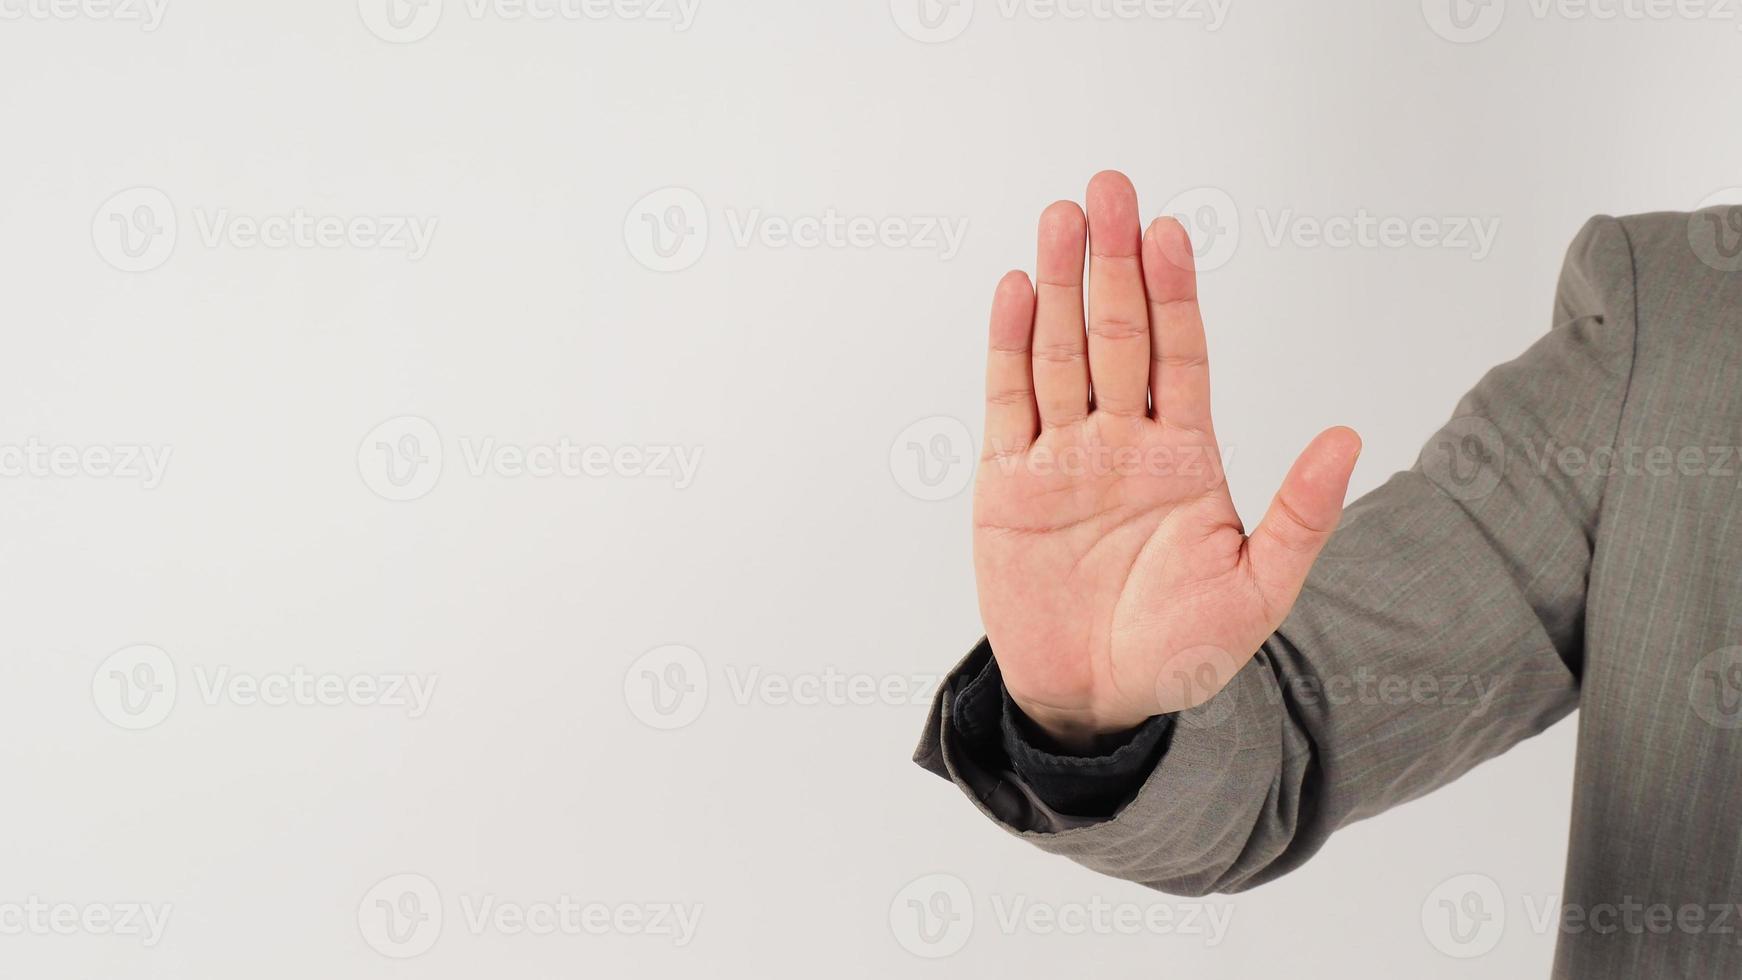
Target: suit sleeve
1442 625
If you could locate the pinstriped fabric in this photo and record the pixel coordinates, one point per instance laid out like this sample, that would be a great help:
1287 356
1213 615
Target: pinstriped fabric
1570 539
1655 808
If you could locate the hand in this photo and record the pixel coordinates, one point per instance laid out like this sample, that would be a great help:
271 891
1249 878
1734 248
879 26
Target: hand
1116 580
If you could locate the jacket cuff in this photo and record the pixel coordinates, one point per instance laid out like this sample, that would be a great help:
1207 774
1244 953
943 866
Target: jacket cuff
1095 785
1070 789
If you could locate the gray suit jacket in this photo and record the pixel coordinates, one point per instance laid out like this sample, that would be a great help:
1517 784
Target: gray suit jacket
1571 539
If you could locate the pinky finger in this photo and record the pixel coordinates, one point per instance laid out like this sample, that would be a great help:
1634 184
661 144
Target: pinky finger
1012 419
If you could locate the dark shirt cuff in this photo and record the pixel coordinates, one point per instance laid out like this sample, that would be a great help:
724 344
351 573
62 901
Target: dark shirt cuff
1094 785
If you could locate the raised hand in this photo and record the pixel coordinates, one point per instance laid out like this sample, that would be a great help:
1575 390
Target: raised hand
1116 580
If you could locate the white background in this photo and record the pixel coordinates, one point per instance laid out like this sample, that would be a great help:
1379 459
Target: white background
796 550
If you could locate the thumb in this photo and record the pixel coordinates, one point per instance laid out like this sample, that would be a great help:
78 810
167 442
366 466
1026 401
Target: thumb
1301 518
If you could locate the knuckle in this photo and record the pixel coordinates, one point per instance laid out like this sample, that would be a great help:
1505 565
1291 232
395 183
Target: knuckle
1005 397
1067 352
1117 326
1181 360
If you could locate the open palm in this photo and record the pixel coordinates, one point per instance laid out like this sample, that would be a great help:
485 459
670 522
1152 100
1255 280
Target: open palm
1116 580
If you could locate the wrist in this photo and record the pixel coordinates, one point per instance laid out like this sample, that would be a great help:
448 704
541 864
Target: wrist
1077 732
